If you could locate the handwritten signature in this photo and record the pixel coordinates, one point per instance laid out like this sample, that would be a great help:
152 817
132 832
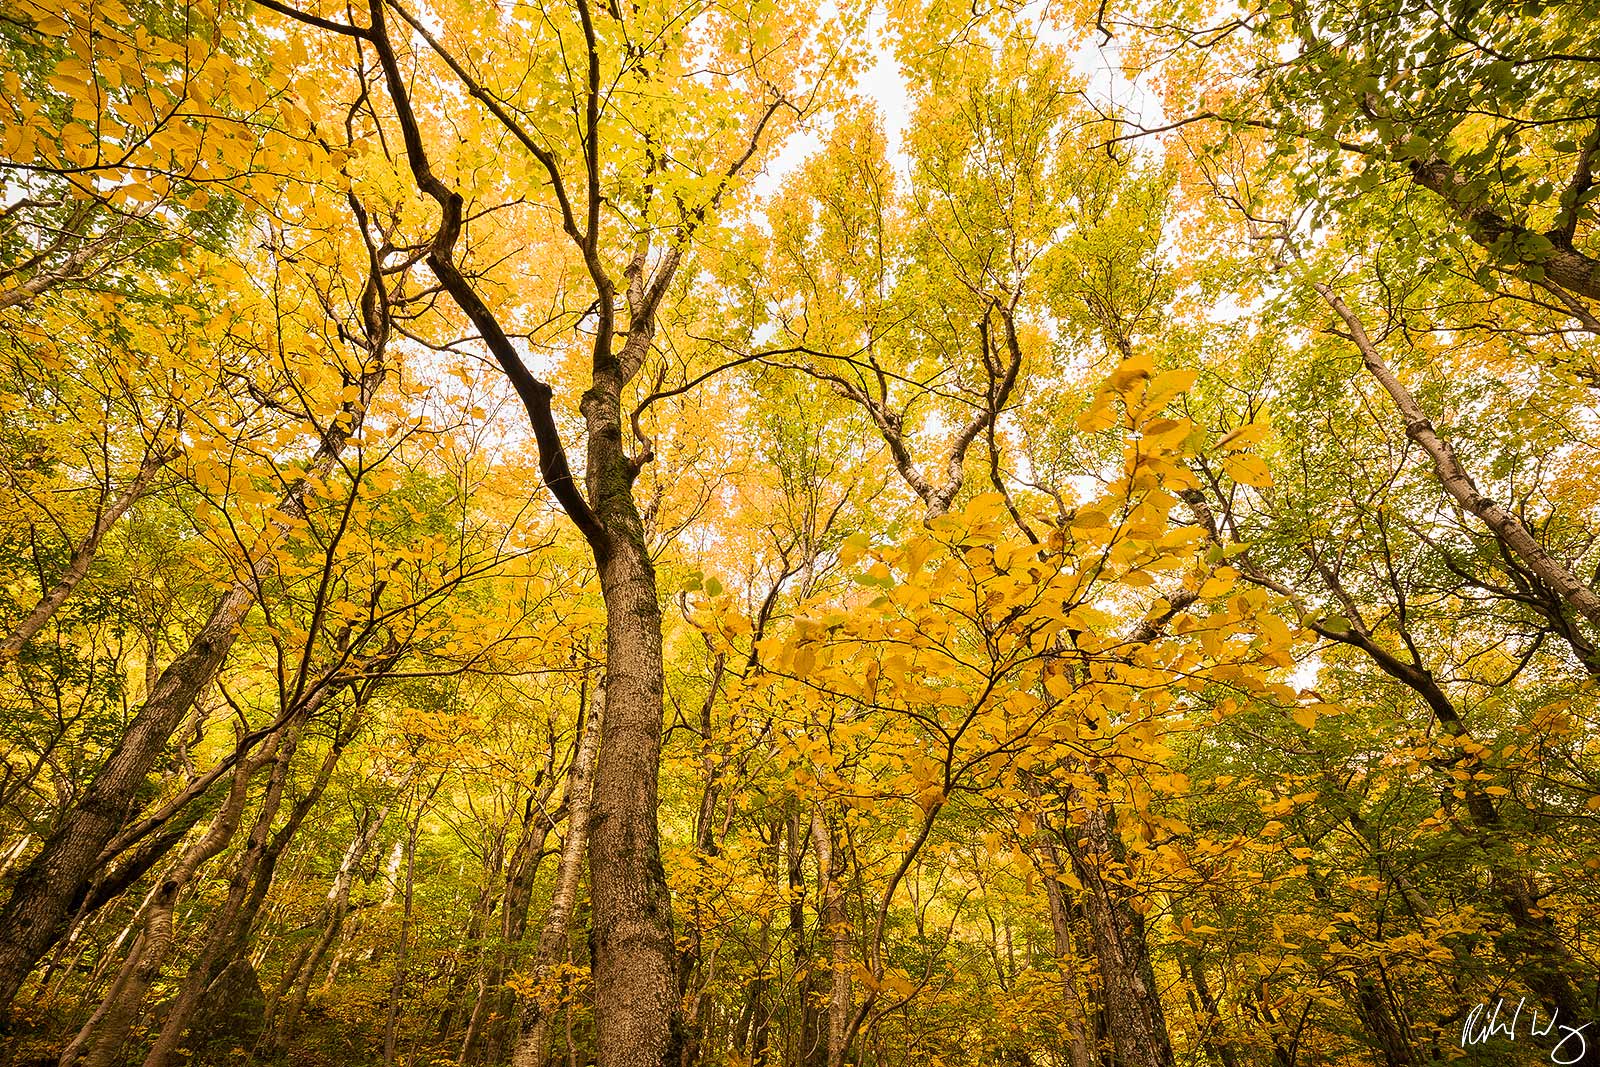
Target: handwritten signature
1487 1021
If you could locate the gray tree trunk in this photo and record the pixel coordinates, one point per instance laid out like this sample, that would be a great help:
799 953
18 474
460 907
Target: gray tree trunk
533 1044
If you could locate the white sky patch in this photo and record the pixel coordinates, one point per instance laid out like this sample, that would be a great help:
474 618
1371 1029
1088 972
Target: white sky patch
1304 675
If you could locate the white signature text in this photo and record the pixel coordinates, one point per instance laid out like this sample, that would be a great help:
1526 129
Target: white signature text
1490 1020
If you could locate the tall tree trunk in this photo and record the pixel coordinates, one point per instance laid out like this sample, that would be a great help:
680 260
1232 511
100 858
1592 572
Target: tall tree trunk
47 892
1131 1003
835 926
533 1043
634 974
636 1008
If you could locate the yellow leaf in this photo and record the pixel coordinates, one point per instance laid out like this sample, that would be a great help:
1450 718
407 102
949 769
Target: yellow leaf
1130 372
1166 385
1243 437
1219 583
1100 415
1247 470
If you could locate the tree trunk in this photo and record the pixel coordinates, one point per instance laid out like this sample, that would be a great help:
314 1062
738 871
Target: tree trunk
1131 1003
1194 970
634 990
102 1037
753 1025
707 844
1453 476
636 1006
533 1043
48 891
810 1048
1079 1044
836 930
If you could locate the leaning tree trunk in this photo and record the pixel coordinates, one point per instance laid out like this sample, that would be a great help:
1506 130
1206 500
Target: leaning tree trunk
100 1041
48 891
1508 529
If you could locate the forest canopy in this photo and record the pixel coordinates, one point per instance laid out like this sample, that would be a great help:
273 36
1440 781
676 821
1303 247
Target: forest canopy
746 533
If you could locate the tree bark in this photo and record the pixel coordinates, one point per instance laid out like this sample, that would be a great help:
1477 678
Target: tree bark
1563 264
1454 477
1194 969
1131 1002
47 892
533 1044
73 266
636 1007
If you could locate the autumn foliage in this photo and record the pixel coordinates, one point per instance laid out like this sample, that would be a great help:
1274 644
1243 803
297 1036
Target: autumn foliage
756 533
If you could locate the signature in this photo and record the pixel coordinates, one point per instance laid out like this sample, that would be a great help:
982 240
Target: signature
1487 1021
